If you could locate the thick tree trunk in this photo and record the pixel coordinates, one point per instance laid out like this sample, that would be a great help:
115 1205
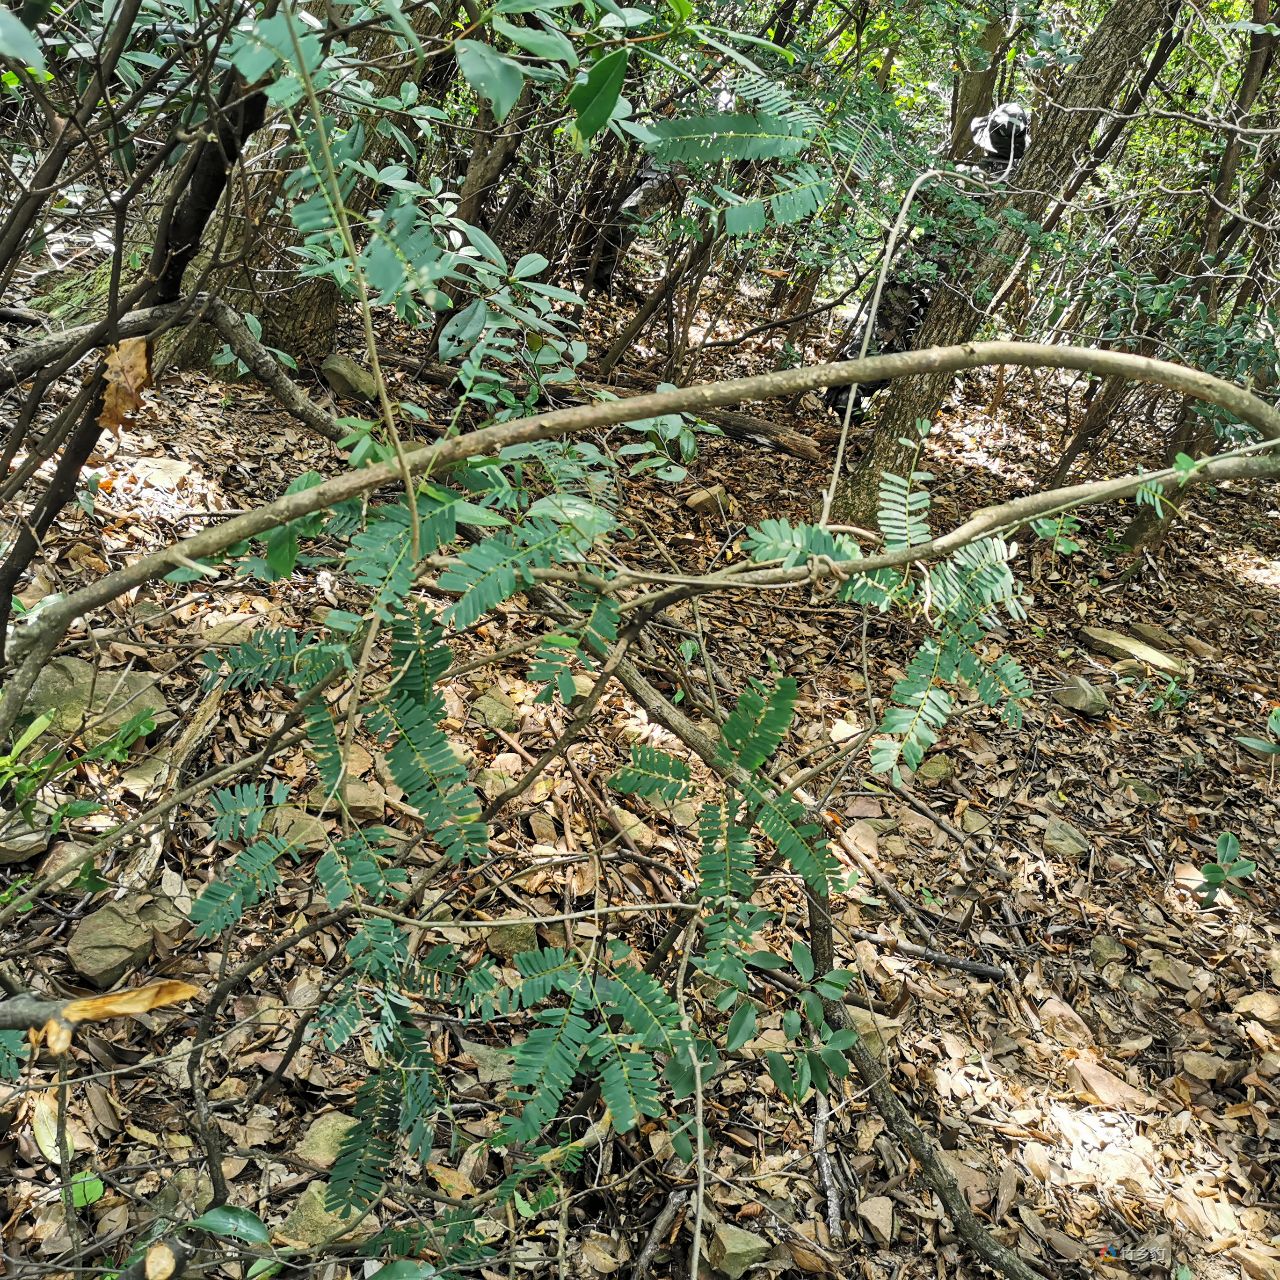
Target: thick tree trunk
975 88
1061 138
1147 526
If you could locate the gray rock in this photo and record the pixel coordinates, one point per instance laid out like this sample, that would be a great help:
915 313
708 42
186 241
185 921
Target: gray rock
1063 841
638 832
877 1213
935 770
365 801
300 829
19 840
310 1223
1077 693
493 782
63 854
1136 985
733 1250
495 710
322 1141
110 942
82 699
350 379
508 940
1105 950
493 1066
708 502
1116 644
1155 636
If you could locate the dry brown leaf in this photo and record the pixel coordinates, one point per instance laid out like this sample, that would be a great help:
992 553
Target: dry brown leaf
127 374
1094 1082
452 1183
119 1004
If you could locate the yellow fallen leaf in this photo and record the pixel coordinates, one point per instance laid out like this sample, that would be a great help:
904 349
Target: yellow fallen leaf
160 1263
119 1004
57 1036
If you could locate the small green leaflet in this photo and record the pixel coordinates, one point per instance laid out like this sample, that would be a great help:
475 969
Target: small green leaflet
595 98
742 1026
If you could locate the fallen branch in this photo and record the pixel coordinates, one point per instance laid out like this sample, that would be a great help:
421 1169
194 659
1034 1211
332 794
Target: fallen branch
18 366
36 641
55 1020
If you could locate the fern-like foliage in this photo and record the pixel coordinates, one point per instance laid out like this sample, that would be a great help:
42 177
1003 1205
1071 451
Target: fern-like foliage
368 1149
546 972
322 734
710 139
645 1007
493 570
800 841
420 757
423 762
922 706
903 513
757 725
726 864
798 193
773 98
245 883
653 775
274 655
793 545
419 655
552 663
545 1066
628 1079
238 811
357 868
380 558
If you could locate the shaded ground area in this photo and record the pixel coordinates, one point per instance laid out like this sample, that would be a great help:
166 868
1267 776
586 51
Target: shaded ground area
1116 1091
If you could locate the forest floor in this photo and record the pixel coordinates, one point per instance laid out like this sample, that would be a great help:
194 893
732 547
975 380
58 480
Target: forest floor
1120 1088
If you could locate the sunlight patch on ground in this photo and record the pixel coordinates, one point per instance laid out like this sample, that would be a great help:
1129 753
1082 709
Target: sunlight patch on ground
1249 565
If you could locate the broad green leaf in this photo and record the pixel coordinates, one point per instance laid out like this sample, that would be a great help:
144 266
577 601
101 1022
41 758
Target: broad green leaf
495 78
595 98
86 1189
230 1220
17 42
742 1027
542 42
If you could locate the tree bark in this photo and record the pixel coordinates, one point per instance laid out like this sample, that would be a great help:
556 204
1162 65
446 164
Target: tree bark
1061 138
